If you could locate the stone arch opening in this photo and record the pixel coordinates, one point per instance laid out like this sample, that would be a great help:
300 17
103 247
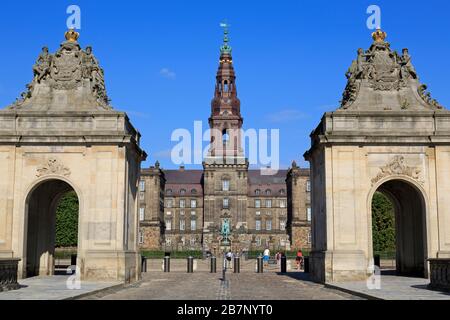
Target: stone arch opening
40 226
409 207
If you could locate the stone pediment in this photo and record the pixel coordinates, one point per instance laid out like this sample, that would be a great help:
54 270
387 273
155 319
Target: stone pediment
381 79
69 79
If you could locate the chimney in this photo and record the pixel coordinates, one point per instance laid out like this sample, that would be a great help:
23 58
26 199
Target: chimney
181 168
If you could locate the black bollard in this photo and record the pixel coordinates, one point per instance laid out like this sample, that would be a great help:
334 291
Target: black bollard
73 259
237 265
260 264
144 264
213 264
283 264
190 265
166 264
306 264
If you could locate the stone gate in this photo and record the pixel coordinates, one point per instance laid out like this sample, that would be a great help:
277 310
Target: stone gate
391 136
60 135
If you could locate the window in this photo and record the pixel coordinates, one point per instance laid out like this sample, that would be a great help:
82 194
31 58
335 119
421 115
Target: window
169 213
193 203
225 136
308 186
257 203
169 191
182 225
141 214
268 203
257 192
168 242
269 225
282 192
169 203
269 213
258 225
308 214
225 185
141 195
193 191
282 225
168 224
258 213
309 237
226 203
268 192
193 225
183 192
141 237
192 241
193 213
181 212
258 242
142 185
182 203
282 203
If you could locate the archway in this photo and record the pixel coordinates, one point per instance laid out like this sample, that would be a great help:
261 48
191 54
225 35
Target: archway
410 226
41 206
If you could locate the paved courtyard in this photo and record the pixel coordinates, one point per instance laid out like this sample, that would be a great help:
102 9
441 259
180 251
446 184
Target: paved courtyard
206 286
53 288
395 288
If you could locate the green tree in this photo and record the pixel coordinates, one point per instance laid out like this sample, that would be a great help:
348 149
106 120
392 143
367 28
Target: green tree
383 223
67 221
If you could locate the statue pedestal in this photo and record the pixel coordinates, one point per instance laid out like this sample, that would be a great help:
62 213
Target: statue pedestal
8 274
440 274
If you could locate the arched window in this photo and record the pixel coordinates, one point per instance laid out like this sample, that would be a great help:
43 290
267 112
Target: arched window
225 185
257 192
193 191
183 191
282 192
169 191
225 136
225 86
268 192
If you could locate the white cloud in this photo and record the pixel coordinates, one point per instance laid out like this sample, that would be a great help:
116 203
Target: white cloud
167 73
286 115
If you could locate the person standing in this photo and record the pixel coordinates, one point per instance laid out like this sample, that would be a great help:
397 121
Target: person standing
229 257
299 259
266 256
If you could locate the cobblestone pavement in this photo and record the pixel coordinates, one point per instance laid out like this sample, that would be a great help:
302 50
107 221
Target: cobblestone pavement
206 286
52 288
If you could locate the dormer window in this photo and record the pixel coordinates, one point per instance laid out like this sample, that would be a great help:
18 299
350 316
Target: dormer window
183 192
257 192
268 192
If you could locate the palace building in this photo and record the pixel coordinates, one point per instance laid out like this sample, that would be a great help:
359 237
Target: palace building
186 209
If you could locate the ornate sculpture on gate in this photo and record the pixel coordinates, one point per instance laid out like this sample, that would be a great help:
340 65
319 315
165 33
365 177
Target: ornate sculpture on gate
381 69
69 68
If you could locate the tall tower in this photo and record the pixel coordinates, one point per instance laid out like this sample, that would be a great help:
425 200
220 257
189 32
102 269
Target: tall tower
225 167
226 120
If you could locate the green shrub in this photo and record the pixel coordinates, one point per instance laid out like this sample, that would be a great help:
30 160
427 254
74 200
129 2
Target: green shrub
67 221
158 254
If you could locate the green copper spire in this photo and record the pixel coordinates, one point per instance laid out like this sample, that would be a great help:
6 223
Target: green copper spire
225 48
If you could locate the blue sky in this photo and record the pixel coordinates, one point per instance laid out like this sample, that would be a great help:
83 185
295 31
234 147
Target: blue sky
160 57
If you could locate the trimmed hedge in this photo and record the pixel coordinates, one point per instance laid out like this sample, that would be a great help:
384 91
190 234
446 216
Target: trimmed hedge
67 221
173 254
